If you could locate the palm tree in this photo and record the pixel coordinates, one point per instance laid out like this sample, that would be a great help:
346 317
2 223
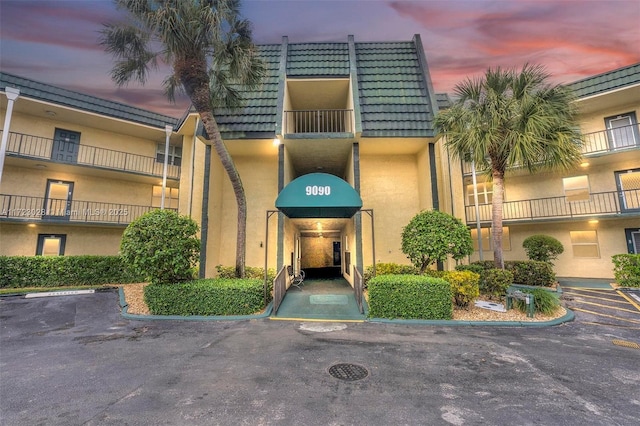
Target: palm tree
510 118
212 58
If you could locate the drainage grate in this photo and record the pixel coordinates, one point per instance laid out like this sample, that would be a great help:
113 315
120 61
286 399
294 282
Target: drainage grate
625 343
348 372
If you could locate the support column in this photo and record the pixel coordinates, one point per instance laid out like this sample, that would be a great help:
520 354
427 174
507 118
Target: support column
204 225
12 95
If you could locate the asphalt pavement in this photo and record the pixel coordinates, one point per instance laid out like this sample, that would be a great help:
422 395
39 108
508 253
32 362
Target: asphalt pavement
74 360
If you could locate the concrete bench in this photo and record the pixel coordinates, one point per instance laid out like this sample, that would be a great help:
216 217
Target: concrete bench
528 299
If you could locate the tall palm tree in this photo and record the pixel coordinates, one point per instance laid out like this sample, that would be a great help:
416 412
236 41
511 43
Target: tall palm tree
212 58
510 118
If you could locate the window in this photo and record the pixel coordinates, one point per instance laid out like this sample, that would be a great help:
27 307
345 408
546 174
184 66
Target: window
633 240
576 188
485 193
487 240
170 197
175 154
51 245
629 189
622 130
585 243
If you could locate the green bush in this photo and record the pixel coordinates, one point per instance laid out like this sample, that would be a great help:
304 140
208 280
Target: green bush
410 297
545 301
526 272
220 296
432 236
626 269
250 272
162 245
495 282
388 269
543 248
56 271
531 272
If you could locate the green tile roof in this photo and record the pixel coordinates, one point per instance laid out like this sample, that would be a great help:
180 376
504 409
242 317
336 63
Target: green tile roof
605 82
393 98
48 93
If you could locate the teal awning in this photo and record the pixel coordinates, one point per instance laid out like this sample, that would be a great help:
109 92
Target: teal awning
318 195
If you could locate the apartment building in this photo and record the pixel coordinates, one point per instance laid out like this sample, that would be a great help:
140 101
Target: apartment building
337 152
594 209
78 169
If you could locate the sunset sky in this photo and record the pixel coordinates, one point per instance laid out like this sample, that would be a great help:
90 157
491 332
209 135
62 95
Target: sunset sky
55 41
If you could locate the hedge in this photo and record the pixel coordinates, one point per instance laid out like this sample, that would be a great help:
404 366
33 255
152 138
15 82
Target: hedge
388 269
56 271
410 297
527 272
218 296
626 269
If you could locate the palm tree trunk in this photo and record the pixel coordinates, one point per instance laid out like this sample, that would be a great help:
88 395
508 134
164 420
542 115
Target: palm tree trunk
211 128
496 217
195 80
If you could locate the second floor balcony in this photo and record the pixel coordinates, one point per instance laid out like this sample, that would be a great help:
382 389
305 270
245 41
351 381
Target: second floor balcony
46 149
21 208
334 122
619 139
598 204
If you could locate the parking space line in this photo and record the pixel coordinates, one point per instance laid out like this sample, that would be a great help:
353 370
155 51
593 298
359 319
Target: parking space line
609 306
605 315
593 290
595 297
602 324
635 305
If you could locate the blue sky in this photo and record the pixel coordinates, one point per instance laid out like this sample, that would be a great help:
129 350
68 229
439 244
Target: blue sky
55 41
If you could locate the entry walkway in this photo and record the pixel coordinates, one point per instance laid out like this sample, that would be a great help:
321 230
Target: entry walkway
322 300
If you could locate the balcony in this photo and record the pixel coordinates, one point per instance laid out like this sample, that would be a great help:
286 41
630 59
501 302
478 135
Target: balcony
20 208
322 121
558 208
39 148
598 143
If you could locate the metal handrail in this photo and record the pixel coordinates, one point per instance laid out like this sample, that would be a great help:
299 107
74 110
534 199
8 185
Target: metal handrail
279 288
30 146
601 142
598 203
318 121
26 208
358 287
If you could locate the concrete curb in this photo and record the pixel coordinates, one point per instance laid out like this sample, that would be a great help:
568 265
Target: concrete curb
124 306
569 316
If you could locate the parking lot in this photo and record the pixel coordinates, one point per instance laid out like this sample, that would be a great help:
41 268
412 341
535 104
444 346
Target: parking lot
75 360
604 307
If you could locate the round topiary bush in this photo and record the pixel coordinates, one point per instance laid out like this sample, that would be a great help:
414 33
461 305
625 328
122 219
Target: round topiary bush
543 248
162 245
433 235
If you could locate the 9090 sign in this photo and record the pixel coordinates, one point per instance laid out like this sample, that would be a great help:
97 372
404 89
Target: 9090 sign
318 190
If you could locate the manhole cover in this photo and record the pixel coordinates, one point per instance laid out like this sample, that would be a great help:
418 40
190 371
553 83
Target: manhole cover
348 372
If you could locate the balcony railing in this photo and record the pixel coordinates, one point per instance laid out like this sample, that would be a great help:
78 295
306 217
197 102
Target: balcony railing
318 121
29 146
598 204
24 208
601 142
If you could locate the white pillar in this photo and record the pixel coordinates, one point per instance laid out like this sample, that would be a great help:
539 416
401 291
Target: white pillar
475 200
12 95
168 129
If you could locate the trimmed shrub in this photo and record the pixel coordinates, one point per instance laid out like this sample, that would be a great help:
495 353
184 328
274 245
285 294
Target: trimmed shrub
543 248
478 269
531 272
410 297
57 271
626 269
388 269
250 272
432 236
218 296
495 282
465 286
545 301
162 245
